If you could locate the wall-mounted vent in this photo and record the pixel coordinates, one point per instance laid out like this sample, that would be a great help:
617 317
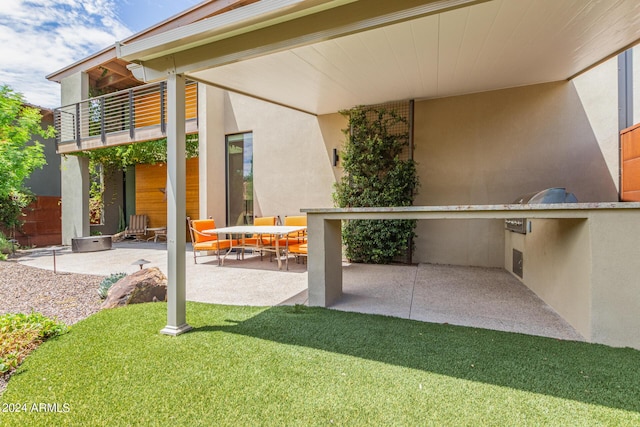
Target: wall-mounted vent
517 263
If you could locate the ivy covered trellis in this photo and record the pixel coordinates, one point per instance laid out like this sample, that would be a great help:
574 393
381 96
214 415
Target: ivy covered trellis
377 172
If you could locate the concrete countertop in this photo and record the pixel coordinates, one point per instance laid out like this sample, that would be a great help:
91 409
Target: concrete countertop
481 208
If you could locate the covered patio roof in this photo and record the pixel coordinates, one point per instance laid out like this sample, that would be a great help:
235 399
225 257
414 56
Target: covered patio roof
321 56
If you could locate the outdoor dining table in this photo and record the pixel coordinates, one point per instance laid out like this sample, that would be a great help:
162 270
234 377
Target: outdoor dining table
243 230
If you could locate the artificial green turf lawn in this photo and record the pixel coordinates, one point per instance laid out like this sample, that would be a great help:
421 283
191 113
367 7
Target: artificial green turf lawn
313 366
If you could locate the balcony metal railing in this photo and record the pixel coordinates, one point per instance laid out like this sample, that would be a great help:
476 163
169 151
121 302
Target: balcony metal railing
132 115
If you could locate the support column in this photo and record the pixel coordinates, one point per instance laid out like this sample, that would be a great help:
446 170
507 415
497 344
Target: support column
176 207
625 89
74 170
211 153
324 260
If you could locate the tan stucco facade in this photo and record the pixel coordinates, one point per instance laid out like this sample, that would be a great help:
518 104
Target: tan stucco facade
485 148
491 147
555 266
291 150
585 270
74 170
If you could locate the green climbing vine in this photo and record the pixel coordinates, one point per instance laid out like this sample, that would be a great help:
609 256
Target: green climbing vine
376 175
103 162
150 152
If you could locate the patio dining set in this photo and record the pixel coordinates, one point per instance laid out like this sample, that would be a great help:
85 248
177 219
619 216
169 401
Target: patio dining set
264 236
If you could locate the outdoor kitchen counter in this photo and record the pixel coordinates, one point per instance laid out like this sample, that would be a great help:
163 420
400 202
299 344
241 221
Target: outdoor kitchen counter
558 210
585 259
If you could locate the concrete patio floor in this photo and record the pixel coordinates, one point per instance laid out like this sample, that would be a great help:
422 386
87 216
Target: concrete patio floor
469 296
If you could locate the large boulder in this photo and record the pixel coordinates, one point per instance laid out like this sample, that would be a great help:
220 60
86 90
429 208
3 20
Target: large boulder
147 285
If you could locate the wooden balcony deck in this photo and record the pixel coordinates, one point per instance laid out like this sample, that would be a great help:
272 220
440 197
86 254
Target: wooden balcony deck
125 117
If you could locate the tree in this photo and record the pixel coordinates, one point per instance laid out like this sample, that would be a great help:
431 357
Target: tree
19 154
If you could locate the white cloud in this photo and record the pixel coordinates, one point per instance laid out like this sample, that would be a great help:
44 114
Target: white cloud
38 37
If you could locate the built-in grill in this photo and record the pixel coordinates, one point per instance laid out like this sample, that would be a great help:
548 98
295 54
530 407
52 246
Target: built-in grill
519 225
550 195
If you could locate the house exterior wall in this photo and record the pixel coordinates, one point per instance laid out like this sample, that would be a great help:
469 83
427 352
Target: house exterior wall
553 251
291 151
113 202
636 84
597 90
74 171
46 181
211 148
485 148
491 147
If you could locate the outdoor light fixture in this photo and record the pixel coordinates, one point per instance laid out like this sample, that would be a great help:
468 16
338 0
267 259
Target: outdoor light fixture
336 158
54 249
140 262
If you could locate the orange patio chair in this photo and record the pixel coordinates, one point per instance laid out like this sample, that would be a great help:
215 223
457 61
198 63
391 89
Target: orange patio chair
296 238
206 242
299 250
258 241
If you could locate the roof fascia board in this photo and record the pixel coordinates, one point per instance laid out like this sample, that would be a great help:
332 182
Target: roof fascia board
186 17
325 25
235 22
94 60
189 16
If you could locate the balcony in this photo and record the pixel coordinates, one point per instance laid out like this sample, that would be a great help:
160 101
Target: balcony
134 115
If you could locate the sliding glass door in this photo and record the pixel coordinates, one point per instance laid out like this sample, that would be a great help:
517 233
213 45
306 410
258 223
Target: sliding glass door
240 179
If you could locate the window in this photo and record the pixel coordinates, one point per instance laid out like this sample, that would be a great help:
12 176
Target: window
239 179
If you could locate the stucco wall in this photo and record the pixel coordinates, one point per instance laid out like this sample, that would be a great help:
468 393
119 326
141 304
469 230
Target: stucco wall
489 148
113 201
556 267
291 151
597 90
74 186
485 148
46 181
211 153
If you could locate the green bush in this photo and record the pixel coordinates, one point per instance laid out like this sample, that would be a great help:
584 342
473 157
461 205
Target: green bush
376 175
21 333
5 247
107 282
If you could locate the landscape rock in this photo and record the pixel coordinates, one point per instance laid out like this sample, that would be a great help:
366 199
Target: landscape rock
147 285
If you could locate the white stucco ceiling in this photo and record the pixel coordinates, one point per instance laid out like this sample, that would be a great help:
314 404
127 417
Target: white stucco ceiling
485 46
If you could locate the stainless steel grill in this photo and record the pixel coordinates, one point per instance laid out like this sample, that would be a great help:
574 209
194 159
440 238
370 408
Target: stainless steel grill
550 195
547 196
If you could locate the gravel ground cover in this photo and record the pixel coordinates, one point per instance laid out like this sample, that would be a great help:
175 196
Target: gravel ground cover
64 296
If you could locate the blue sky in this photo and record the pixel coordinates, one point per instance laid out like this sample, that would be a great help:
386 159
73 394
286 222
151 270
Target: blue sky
140 14
38 37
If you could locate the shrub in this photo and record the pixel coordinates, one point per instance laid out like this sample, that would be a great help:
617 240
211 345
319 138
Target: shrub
4 244
107 282
376 175
22 333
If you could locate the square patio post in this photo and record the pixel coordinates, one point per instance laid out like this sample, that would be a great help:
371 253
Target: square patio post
176 205
325 260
